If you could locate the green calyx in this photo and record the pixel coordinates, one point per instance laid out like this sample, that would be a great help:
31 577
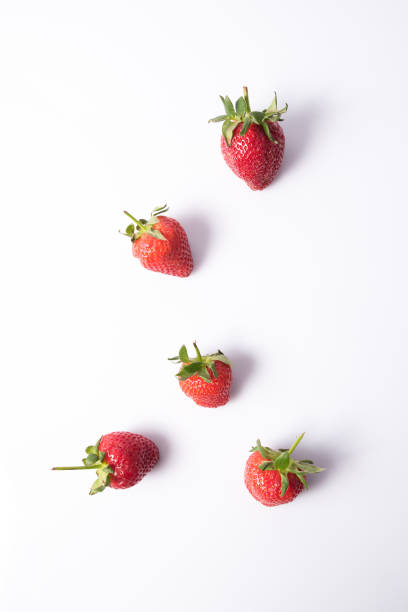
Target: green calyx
282 461
94 460
140 226
242 113
198 365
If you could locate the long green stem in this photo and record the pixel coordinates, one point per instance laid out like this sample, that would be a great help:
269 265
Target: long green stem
247 99
134 219
77 467
292 448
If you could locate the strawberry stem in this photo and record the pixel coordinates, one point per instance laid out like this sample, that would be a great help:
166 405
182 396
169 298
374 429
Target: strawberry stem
247 99
292 448
135 220
77 467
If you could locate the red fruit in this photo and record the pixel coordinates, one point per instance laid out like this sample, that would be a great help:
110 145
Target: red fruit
120 458
273 477
252 142
161 244
266 486
130 455
206 379
253 157
212 393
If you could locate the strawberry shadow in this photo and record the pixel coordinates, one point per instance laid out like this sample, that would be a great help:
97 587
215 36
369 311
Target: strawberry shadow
299 128
198 232
322 457
243 364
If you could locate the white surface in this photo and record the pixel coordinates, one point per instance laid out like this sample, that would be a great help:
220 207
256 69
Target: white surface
104 106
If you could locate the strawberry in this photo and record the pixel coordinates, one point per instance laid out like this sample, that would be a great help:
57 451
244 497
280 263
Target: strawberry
120 459
252 142
206 379
273 477
161 243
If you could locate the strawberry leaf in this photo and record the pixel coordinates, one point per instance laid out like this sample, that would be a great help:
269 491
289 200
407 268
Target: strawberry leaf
214 370
104 475
156 234
183 354
284 484
302 479
267 132
309 468
220 357
229 107
282 461
217 119
228 128
159 210
197 350
91 449
261 450
189 370
266 465
91 459
242 112
204 375
97 487
258 117
241 106
245 126
273 107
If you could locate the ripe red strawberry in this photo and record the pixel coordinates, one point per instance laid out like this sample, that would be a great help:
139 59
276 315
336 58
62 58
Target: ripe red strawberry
206 379
252 142
120 459
161 243
273 477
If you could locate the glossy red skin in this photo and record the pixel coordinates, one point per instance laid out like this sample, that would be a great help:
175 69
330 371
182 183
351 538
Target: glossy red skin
130 455
265 486
209 394
253 157
171 256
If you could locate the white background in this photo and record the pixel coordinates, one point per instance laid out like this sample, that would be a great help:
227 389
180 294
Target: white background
104 106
